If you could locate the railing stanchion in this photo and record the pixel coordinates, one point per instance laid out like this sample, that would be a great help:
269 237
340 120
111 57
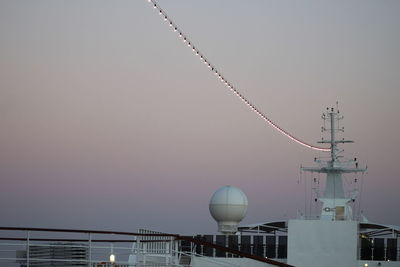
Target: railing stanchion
138 246
90 249
27 248
170 251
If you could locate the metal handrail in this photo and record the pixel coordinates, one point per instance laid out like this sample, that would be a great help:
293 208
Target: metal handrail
173 236
80 231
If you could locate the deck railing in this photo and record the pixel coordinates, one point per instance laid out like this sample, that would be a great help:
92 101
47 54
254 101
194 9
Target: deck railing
32 247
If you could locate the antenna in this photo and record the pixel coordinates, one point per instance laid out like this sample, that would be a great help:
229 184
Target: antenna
335 203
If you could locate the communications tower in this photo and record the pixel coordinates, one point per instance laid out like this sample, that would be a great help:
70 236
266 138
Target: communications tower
335 204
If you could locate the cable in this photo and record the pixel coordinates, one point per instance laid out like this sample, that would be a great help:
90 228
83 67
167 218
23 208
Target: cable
228 84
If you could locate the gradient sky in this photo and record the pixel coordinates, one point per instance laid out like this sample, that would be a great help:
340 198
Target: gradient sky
109 122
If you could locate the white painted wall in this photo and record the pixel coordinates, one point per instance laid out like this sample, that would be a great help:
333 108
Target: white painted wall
315 243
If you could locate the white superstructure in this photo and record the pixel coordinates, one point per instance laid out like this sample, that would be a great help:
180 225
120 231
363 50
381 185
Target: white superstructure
334 236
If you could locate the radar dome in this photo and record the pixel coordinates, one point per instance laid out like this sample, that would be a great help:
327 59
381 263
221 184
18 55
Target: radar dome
228 206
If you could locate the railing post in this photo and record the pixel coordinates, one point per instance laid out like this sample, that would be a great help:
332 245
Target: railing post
27 248
372 253
170 250
276 245
90 250
138 246
144 251
385 253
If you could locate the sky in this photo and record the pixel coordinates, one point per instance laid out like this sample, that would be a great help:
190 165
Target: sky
108 121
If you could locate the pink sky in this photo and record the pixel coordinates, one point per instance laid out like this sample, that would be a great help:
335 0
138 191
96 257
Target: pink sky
110 122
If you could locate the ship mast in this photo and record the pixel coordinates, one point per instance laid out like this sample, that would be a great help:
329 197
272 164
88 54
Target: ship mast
335 205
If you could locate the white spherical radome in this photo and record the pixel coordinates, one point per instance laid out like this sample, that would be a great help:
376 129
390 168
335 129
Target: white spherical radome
228 206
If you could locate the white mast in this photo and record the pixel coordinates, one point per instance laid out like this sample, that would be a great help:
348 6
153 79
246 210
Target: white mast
334 202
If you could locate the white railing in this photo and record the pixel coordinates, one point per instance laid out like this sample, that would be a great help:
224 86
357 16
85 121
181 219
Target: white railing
33 247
